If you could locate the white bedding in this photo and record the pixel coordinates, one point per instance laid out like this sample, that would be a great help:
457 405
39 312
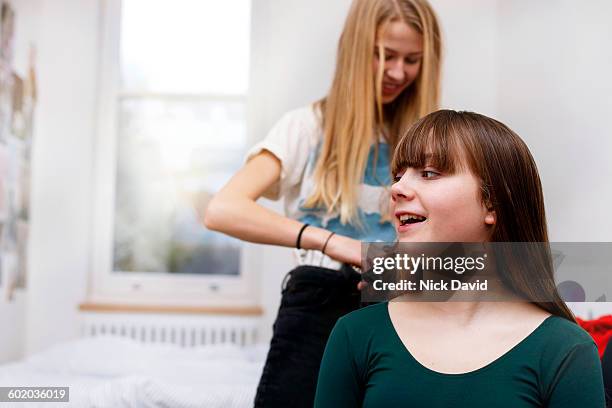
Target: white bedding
117 372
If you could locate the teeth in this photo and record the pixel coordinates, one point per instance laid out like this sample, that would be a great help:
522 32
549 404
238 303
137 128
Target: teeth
407 217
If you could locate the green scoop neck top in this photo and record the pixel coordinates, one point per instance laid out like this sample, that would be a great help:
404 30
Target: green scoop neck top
367 365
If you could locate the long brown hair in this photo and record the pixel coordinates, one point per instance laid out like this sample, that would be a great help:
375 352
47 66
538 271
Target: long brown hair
353 112
510 186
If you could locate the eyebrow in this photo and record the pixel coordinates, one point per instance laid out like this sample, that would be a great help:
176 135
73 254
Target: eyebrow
410 54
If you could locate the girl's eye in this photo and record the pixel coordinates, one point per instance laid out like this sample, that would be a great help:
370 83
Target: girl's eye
411 61
397 178
429 174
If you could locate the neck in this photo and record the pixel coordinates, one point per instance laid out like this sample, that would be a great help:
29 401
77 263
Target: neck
460 307
462 313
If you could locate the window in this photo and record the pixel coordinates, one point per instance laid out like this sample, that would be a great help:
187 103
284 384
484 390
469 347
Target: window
173 92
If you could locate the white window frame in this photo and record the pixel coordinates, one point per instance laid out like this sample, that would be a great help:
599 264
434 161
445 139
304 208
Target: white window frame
143 287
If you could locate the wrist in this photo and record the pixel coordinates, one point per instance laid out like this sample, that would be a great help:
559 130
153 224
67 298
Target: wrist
314 238
329 237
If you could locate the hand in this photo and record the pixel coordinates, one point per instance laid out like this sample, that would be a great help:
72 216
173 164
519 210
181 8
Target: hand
345 249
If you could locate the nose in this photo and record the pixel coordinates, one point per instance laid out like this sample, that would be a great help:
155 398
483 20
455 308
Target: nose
395 70
402 191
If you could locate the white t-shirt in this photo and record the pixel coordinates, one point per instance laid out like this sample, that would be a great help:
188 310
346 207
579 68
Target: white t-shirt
296 140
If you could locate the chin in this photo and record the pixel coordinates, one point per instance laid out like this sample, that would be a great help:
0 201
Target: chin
408 237
389 99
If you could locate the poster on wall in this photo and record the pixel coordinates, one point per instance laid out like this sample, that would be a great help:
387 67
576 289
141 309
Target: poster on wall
7 28
17 101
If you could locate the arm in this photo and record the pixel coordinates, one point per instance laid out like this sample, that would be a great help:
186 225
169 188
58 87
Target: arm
579 381
339 384
234 211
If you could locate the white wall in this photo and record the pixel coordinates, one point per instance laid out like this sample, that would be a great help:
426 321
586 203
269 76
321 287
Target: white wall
556 92
13 313
62 170
471 54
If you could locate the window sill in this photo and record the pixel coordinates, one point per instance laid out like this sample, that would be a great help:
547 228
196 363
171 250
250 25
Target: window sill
152 308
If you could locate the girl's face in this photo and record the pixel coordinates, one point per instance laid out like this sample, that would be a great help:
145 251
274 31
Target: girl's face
430 206
403 47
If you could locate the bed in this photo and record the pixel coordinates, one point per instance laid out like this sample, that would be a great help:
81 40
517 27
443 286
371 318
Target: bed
196 364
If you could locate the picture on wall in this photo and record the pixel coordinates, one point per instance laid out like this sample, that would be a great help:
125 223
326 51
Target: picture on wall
17 101
7 29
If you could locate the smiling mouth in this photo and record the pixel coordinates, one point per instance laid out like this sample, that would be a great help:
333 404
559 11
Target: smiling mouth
391 88
406 219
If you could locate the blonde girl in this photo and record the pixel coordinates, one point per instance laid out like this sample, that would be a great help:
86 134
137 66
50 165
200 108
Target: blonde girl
330 163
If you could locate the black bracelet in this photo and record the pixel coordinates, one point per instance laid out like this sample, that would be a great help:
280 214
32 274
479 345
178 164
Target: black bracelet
326 241
299 237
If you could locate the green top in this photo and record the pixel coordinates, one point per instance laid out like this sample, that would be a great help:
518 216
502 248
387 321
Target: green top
366 365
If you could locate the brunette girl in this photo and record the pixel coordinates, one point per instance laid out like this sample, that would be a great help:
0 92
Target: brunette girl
467 178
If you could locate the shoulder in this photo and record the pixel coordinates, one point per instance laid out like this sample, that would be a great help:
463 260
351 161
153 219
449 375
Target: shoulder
307 118
569 363
363 332
369 317
298 130
561 341
560 331
548 332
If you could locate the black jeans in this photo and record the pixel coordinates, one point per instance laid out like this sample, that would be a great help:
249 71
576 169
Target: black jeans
312 301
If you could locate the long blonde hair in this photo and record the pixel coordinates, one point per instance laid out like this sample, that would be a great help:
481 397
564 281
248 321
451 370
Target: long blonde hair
353 108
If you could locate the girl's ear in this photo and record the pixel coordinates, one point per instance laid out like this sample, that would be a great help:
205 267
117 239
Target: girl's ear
490 218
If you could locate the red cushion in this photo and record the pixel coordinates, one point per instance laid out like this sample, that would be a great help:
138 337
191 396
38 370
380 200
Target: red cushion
600 329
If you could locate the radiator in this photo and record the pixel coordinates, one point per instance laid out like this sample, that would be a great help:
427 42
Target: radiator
181 330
